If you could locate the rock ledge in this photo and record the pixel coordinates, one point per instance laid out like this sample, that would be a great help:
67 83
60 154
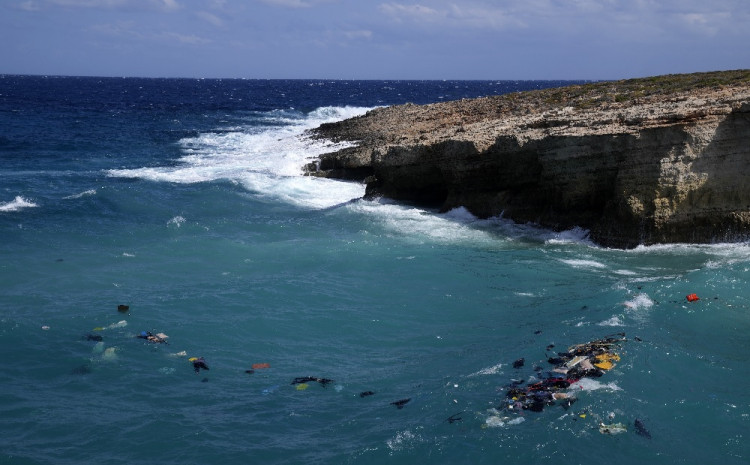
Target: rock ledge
655 160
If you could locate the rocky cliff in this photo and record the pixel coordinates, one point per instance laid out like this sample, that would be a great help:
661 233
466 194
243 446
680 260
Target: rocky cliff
655 160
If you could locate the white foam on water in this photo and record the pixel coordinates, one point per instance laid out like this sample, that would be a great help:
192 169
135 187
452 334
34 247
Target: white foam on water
640 301
176 221
268 162
581 263
81 194
17 204
456 226
588 384
403 440
614 321
493 370
575 235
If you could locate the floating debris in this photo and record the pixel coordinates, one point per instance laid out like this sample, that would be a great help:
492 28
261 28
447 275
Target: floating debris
198 363
454 418
400 403
614 428
306 379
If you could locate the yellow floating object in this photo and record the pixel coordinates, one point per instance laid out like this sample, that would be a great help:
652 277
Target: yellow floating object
604 365
192 359
583 415
607 358
302 386
98 328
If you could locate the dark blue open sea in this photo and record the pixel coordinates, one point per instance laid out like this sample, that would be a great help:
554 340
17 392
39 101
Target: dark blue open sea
184 200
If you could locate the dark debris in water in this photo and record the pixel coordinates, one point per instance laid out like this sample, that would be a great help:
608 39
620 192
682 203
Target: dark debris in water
400 403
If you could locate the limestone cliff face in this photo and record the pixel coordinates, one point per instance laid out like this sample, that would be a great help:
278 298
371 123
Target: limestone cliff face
641 169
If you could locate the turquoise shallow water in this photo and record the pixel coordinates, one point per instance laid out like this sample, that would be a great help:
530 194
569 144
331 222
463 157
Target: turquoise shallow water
197 219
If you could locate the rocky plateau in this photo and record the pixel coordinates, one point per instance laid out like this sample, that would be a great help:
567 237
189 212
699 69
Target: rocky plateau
654 160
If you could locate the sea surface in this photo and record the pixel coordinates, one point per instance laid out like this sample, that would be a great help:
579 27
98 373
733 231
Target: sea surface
184 200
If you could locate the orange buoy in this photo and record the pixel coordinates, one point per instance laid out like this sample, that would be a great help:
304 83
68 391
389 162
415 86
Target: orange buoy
693 297
258 366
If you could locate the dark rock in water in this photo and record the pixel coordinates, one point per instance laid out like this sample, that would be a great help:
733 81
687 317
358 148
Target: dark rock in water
366 393
81 370
400 403
123 308
518 363
93 337
641 430
249 372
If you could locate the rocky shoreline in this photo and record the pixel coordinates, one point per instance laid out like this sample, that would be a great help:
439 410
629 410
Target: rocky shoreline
643 161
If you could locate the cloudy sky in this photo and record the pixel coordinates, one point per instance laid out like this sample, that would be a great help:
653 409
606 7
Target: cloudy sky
374 39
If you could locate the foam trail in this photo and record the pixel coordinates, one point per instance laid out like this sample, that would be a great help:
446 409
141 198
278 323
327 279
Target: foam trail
267 162
81 194
17 204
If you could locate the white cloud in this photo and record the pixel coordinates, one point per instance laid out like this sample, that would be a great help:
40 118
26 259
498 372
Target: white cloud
210 18
169 5
357 34
420 13
289 3
184 39
89 3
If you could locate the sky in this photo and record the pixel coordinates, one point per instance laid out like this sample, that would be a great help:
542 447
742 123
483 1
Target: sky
374 39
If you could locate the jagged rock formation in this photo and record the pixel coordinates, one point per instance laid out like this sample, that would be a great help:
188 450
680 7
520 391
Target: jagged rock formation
655 160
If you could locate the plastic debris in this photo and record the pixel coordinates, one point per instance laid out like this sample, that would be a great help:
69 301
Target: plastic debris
302 386
260 366
123 308
614 428
692 297
572 372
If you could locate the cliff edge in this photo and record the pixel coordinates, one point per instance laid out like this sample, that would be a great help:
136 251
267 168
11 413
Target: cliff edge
664 159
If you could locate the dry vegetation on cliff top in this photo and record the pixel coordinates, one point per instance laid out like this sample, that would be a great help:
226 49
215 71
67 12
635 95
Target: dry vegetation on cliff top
400 123
634 90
